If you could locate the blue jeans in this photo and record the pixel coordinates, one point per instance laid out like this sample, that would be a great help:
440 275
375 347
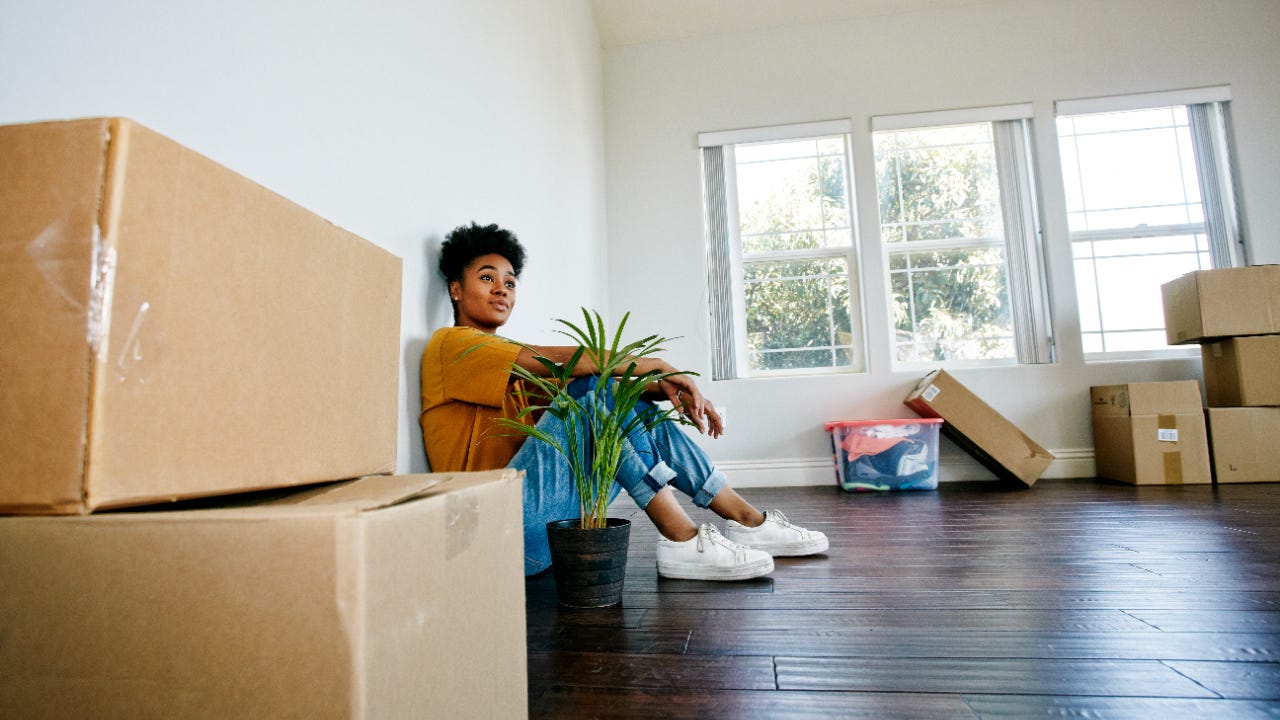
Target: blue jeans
650 461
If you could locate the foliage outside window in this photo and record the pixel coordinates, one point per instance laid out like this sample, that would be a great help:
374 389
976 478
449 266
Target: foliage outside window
1149 198
782 254
959 232
941 226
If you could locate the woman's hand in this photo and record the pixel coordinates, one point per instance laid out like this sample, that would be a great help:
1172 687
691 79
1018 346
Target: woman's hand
688 400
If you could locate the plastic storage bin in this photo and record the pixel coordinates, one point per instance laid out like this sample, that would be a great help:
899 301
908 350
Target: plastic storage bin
886 454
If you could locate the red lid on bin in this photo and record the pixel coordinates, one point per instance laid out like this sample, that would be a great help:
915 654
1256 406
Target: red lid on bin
887 421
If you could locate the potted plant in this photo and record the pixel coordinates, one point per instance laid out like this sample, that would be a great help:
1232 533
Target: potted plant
589 553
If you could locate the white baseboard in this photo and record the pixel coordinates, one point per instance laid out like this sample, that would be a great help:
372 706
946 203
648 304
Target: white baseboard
795 472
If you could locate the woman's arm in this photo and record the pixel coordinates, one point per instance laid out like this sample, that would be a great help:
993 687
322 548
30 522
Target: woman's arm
680 390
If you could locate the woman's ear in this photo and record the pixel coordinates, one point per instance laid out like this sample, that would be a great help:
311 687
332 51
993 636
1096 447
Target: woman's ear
455 290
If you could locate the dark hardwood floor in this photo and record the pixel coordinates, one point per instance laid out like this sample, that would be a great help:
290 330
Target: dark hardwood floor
1076 598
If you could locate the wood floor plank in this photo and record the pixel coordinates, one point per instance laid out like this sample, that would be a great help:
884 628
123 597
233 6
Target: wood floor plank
652 670
1241 680
1030 707
947 643
1023 676
646 704
1191 621
878 619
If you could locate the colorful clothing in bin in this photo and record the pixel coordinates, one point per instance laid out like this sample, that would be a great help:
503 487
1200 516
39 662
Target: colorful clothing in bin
883 457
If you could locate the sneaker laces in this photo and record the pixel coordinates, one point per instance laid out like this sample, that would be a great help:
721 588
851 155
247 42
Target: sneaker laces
708 533
778 517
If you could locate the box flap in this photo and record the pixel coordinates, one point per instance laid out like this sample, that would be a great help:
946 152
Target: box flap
1130 399
367 493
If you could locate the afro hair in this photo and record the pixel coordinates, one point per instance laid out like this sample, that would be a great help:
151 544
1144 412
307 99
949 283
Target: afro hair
468 242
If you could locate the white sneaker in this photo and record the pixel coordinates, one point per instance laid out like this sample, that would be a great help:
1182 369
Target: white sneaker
709 556
777 536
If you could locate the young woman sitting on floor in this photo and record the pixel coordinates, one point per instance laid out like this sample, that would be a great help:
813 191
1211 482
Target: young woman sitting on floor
467 382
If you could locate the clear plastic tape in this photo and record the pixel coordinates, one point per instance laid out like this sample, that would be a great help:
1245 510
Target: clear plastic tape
45 253
104 276
462 522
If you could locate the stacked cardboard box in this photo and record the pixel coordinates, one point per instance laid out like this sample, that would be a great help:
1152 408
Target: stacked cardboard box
175 332
1234 315
393 596
1150 433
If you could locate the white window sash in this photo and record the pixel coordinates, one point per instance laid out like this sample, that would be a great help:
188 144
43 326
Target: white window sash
1208 113
775 133
1142 101
943 118
1023 252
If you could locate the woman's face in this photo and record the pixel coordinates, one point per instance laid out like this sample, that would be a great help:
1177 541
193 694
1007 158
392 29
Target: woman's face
486 294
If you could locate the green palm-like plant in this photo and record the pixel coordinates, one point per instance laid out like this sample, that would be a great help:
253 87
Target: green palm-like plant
599 422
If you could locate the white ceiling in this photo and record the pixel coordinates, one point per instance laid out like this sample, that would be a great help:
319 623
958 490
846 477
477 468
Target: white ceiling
630 22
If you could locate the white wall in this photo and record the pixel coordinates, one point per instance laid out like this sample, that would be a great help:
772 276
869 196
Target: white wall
396 119
660 95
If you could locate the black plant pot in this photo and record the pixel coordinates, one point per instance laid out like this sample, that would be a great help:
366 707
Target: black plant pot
590 564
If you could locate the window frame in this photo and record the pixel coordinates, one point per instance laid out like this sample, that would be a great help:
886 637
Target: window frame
1208 115
1023 241
727 261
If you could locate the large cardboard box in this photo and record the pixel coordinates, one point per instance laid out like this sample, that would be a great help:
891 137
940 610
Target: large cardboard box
174 330
1150 433
979 429
1243 444
1242 371
1227 302
393 596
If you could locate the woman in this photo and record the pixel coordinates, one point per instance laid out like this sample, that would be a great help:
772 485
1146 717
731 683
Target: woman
467 382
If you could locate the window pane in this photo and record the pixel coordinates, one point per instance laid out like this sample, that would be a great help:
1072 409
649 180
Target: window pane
1126 169
1120 299
798 305
952 305
941 185
1128 176
792 195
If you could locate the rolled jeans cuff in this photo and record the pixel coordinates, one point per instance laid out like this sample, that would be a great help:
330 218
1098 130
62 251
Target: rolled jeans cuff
705 494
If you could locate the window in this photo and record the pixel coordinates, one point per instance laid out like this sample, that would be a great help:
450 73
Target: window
1149 198
959 231
781 252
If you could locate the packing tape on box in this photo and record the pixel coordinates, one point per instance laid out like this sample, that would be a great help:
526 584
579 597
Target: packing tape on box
1167 431
462 523
1173 468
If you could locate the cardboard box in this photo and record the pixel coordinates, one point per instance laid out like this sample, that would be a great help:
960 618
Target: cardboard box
1228 302
1243 444
394 596
979 429
1242 371
173 330
1150 433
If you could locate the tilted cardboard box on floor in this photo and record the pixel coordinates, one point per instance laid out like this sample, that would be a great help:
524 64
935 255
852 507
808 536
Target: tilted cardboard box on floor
174 330
1244 444
1227 302
1150 433
1242 371
979 429
394 596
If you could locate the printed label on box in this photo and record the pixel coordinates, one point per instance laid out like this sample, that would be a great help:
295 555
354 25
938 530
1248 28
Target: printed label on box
930 393
1167 435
